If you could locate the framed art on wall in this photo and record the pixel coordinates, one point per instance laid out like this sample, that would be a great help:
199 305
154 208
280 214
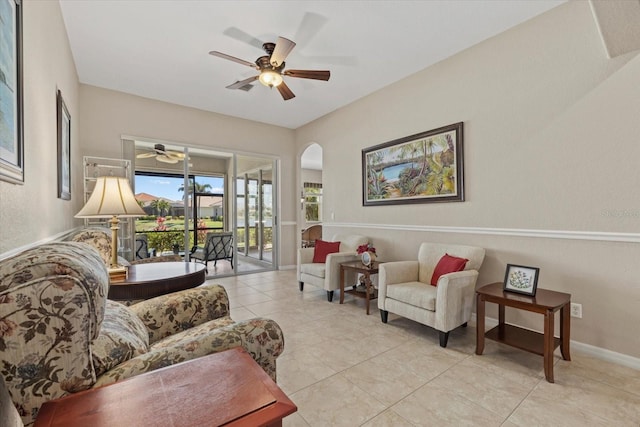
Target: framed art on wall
521 279
11 117
422 168
64 149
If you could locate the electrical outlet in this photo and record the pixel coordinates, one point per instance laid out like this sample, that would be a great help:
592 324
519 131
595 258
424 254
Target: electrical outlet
576 310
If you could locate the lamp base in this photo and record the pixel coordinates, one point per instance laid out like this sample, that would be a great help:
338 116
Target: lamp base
117 273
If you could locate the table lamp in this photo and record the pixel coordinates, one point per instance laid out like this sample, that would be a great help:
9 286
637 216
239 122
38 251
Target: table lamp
112 198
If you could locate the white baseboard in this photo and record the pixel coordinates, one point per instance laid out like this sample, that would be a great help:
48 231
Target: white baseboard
287 267
608 355
591 350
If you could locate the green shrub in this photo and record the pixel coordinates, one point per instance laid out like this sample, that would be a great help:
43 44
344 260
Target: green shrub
164 241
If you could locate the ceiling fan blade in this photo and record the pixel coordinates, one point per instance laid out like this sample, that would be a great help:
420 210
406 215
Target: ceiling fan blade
239 84
238 34
310 26
281 51
166 159
309 74
175 155
145 155
233 58
285 91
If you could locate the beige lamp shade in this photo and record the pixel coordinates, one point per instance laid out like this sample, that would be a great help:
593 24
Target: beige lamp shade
111 196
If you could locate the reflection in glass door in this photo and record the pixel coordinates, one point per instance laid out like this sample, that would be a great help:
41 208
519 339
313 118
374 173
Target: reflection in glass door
254 213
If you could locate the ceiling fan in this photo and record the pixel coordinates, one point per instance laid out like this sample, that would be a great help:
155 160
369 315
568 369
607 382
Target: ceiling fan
162 155
271 68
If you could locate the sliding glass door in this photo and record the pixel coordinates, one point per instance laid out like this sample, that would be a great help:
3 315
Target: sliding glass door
203 192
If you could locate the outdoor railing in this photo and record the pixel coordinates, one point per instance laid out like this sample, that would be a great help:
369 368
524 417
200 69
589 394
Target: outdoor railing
173 240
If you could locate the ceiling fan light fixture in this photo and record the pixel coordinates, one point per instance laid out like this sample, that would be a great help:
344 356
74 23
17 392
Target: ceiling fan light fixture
270 78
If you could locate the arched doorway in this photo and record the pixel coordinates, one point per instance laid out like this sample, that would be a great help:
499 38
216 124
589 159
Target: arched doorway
311 194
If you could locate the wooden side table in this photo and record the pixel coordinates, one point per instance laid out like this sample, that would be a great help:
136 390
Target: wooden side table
357 266
545 302
150 280
227 388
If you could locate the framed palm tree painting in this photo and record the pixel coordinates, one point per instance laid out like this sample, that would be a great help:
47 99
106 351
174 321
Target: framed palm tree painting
422 168
11 94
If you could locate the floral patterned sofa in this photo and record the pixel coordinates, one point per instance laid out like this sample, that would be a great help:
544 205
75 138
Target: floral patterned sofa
59 334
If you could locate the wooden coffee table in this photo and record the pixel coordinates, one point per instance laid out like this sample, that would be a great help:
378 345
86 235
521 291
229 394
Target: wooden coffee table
545 302
150 280
357 266
227 388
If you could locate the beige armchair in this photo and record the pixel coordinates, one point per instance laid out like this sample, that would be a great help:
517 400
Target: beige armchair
404 288
327 275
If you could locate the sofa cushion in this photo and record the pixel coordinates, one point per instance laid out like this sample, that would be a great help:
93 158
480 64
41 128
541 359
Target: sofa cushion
415 293
322 249
317 270
122 336
447 264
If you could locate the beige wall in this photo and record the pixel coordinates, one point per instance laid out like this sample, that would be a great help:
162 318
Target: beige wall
551 141
32 212
108 115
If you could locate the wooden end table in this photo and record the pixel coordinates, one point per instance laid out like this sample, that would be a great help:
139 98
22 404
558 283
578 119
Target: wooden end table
545 302
227 388
357 266
153 279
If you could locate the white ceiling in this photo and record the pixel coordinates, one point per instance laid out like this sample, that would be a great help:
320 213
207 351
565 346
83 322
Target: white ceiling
159 49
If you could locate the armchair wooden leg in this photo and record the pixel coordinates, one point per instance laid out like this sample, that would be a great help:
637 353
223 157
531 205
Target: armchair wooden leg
444 337
384 315
464 325
329 296
301 286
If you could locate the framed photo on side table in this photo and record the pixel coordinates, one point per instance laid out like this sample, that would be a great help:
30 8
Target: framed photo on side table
521 279
64 150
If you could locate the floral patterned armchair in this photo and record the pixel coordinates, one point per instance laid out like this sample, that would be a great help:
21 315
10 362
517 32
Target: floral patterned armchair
59 334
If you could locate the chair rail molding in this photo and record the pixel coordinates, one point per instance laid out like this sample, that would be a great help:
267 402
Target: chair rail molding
515 232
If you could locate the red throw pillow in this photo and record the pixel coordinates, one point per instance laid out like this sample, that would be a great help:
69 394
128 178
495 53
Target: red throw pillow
322 249
447 264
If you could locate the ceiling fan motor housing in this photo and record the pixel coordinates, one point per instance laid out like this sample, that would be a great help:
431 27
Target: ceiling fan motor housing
268 47
264 65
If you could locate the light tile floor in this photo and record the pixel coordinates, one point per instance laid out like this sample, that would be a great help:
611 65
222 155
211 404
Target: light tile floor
344 368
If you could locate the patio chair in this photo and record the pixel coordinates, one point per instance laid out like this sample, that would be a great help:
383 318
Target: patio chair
142 246
217 246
